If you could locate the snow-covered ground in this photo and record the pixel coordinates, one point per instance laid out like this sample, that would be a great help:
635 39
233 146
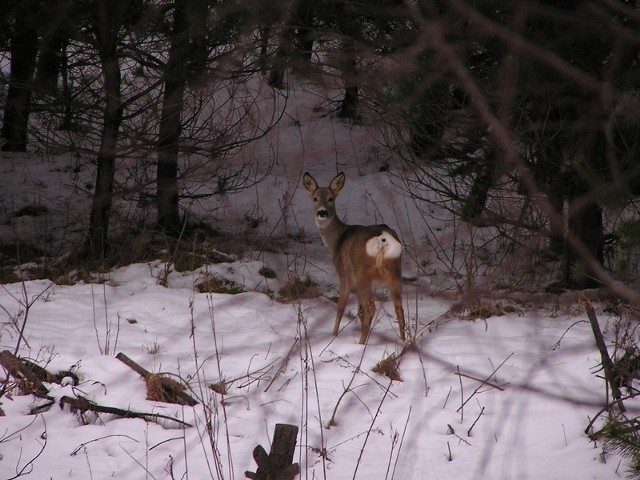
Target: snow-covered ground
507 397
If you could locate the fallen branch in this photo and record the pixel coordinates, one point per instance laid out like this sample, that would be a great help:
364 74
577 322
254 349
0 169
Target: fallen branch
83 405
607 364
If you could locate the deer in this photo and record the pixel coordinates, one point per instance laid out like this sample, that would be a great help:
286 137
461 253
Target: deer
363 256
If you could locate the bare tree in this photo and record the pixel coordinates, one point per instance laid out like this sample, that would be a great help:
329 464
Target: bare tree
175 80
109 18
23 40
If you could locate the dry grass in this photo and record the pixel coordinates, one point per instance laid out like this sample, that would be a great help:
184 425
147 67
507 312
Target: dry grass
389 367
211 284
297 288
161 388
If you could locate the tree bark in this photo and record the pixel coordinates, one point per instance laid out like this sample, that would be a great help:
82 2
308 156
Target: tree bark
97 240
170 125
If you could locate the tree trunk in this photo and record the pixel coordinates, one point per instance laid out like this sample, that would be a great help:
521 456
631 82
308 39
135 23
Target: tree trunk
24 48
303 33
348 67
349 105
50 63
585 220
97 240
67 94
295 44
170 125
476 202
586 225
59 25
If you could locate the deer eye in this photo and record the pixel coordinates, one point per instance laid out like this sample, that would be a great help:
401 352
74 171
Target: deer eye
330 199
315 199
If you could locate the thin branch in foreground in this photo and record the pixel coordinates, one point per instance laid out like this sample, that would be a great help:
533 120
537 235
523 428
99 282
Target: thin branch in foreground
373 421
28 467
84 444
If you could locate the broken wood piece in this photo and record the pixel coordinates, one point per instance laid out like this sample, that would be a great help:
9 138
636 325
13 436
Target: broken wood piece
277 465
159 386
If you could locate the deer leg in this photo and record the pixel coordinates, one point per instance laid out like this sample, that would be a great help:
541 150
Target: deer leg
366 309
342 304
395 289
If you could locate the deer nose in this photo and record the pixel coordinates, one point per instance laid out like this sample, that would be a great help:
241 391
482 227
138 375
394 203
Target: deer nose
322 213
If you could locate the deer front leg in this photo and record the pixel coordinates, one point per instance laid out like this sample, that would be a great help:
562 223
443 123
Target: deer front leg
342 304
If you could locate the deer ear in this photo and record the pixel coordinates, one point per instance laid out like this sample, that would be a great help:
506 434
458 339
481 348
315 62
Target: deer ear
309 183
337 183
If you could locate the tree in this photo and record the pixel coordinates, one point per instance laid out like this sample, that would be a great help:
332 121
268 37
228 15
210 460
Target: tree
191 42
23 38
108 17
520 108
175 80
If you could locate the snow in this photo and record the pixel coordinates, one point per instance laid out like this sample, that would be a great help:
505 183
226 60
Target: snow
507 397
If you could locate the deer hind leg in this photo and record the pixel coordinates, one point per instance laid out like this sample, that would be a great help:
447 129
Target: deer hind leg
395 289
345 289
366 310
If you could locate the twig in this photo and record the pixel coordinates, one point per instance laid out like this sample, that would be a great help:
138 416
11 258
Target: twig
446 400
475 421
283 365
373 421
29 464
485 382
461 409
606 408
404 432
84 444
347 389
557 344
452 431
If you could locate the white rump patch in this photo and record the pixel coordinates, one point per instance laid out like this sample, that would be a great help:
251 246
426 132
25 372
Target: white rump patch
382 247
